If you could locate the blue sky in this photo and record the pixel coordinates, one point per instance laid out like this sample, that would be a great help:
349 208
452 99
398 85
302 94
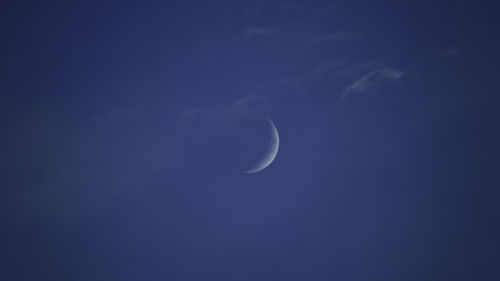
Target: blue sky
127 128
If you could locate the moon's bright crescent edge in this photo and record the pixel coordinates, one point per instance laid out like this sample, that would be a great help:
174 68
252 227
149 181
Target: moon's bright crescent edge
273 151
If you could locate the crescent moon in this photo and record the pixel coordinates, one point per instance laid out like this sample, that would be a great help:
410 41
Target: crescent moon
271 153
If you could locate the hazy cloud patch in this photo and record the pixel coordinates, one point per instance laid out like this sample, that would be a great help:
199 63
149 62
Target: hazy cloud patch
197 112
243 107
338 36
257 31
246 106
290 6
372 79
451 52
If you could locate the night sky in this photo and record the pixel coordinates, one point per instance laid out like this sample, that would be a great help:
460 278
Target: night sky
126 128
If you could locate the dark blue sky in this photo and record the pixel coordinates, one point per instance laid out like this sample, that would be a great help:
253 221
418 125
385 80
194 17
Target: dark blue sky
126 128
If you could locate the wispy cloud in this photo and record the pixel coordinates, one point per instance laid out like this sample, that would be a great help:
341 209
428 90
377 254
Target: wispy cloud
257 31
330 7
372 79
289 6
338 36
392 74
451 52
243 107
328 74
252 11
345 69
197 112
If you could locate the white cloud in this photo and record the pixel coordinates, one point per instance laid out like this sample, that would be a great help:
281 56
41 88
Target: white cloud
290 6
197 112
451 52
372 79
392 74
257 31
246 106
338 36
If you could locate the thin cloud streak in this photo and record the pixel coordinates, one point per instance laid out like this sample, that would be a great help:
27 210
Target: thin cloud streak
372 79
246 106
257 31
338 36
451 52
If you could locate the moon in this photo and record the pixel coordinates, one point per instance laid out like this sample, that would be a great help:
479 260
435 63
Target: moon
271 153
